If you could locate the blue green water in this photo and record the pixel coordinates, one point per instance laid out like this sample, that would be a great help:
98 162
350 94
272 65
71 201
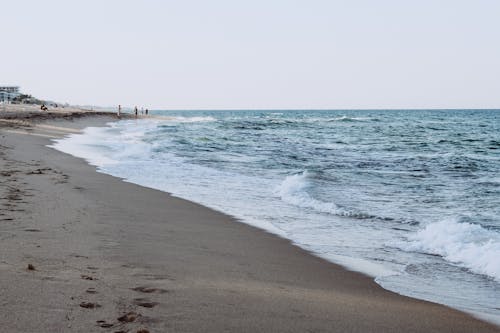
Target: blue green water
411 197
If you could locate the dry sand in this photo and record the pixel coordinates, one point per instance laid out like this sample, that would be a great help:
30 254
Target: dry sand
110 256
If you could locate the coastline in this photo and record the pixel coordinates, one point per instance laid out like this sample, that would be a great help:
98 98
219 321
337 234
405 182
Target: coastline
207 272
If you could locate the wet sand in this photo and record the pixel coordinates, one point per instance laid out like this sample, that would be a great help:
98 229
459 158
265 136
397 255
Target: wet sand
110 256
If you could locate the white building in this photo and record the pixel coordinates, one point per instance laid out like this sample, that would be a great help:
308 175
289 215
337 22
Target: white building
7 93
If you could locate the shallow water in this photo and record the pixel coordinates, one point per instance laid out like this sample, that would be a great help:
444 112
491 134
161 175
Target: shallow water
411 197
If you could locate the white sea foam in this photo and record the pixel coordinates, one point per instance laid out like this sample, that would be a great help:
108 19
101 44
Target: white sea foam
464 244
181 119
346 118
90 145
364 266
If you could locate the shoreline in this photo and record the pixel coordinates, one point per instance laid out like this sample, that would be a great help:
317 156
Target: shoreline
206 272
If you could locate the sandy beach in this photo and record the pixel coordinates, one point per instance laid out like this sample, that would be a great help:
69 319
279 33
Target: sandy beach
86 252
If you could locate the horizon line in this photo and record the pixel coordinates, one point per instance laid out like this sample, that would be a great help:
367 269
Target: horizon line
325 109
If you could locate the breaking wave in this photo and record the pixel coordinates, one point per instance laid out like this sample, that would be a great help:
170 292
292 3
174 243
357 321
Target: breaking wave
293 190
464 244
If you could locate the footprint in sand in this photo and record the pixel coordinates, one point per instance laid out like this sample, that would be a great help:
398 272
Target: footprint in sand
32 230
104 324
91 291
149 290
129 317
145 303
89 305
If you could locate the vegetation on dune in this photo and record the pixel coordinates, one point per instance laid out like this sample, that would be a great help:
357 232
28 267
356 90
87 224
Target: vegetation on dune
27 99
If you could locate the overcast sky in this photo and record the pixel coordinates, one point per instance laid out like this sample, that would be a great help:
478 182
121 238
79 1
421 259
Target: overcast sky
217 54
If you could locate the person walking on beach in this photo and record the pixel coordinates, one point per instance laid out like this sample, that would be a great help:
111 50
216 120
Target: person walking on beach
119 110
135 109
146 112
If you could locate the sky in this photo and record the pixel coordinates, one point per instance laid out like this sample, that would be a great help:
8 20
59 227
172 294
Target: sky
254 54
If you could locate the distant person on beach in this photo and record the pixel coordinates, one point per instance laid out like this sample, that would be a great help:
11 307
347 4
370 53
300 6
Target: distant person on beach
146 112
43 107
119 110
135 109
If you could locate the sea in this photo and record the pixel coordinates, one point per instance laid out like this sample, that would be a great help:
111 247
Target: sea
409 197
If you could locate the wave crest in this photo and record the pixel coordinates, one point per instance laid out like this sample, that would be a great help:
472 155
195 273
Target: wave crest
349 119
182 119
464 244
293 190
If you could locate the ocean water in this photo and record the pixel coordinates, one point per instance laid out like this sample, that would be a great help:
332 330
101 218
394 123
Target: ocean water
410 197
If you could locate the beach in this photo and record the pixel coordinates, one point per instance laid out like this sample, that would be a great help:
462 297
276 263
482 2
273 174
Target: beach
111 256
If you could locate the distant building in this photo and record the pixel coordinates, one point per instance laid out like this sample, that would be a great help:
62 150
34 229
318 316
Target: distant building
10 89
8 93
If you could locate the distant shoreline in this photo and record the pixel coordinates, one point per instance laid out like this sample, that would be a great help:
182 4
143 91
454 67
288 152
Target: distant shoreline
130 110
